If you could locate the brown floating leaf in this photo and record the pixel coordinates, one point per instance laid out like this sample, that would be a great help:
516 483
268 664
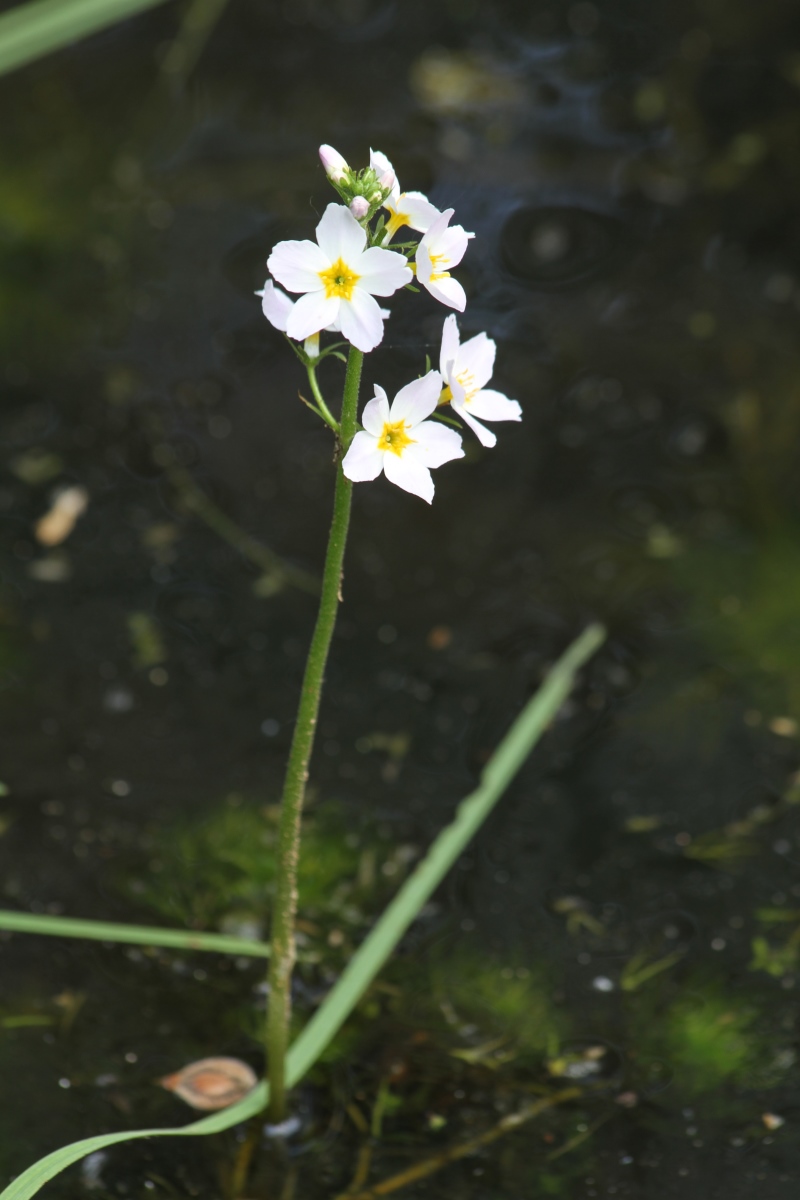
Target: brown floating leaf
211 1083
56 525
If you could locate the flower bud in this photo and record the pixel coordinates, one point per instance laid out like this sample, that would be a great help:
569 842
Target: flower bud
359 207
387 180
336 167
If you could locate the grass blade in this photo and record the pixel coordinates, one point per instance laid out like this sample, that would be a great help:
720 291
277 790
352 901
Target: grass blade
32 30
376 948
420 885
139 935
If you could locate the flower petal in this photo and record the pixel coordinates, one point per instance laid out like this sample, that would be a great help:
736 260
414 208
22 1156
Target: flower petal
409 474
419 212
494 406
312 313
484 435
275 305
363 460
424 264
361 320
450 345
379 162
453 244
383 271
380 165
435 444
340 235
417 400
439 226
477 356
297 265
376 412
447 291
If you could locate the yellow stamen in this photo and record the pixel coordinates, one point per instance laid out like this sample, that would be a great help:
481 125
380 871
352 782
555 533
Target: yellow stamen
339 280
435 260
467 381
394 438
446 395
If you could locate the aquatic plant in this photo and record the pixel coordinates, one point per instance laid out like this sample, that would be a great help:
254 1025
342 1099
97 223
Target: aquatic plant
708 1038
337 278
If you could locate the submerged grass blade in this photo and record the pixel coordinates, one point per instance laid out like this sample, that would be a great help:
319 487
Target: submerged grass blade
32 30
374 951
139 935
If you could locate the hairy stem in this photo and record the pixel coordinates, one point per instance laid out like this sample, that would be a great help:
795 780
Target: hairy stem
283 918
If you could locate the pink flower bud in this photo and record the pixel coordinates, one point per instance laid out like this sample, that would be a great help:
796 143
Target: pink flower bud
387 180
359 207
336 167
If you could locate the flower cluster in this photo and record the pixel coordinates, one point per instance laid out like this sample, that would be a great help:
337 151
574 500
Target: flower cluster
338 278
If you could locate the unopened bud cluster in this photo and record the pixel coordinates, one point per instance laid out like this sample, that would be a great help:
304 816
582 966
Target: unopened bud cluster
362 191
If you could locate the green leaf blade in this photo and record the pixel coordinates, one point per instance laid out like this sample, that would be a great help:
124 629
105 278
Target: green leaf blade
32 30
138 935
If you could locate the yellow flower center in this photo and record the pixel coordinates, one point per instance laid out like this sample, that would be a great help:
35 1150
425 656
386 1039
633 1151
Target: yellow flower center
467 381
339 280
397 220
394 437
435 260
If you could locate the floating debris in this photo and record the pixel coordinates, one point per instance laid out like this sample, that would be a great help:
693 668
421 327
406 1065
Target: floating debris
440 637
662 543
36 466
57 524
211 1083
445 81
581 1065
148 645
601 983
783 726
52 568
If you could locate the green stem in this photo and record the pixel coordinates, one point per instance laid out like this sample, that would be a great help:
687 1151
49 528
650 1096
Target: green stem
324 411
283 944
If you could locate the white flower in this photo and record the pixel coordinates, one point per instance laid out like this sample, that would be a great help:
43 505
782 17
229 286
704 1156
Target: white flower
336 167
404 208
439 250
276 307
465 369
399 441
340 279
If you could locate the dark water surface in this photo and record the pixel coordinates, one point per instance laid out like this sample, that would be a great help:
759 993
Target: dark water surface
629 920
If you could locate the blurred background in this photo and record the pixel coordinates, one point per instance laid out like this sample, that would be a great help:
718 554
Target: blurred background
629 919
